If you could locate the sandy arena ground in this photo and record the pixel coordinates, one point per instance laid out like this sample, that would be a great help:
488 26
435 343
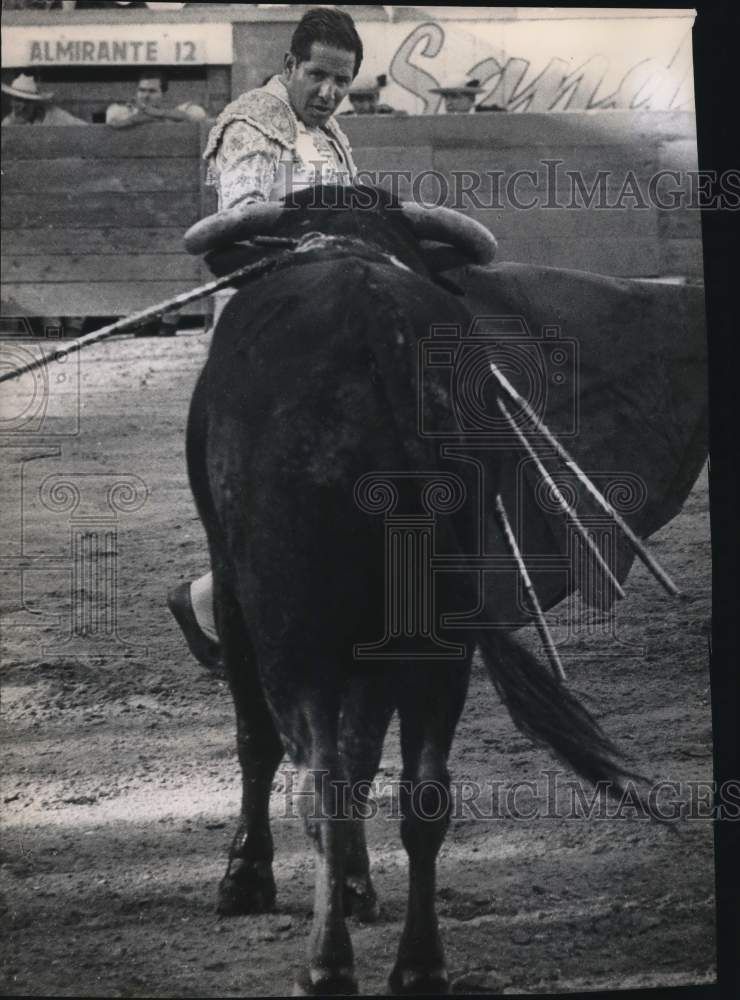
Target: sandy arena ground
120 784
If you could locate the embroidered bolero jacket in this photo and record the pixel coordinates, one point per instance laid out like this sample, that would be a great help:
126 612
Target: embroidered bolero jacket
259 150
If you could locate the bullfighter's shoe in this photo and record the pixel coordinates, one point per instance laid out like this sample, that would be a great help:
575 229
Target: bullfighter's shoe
205 650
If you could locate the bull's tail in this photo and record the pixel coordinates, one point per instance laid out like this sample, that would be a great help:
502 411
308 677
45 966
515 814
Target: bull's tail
547 712
539 704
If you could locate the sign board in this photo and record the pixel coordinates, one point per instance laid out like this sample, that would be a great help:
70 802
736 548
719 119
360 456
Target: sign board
117 45
538 61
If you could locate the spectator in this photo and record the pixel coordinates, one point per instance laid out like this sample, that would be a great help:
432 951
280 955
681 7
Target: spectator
459 97
364 95
30 106
148 105
268 143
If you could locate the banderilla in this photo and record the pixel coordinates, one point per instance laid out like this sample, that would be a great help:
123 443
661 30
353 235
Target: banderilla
128 323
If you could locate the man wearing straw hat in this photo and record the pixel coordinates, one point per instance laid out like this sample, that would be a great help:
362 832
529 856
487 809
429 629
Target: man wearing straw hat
459 96
364 96
30 106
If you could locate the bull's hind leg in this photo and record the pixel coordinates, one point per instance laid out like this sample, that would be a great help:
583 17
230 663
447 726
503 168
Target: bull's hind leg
432 700
360 897
248 885
323 804
366 713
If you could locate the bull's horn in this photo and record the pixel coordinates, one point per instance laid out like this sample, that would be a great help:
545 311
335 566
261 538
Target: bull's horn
238 223
447 226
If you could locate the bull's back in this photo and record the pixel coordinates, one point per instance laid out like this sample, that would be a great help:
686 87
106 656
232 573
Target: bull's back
312 383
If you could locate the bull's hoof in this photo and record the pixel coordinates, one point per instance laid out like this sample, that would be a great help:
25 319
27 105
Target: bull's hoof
361 900
319 981
418 982
248 887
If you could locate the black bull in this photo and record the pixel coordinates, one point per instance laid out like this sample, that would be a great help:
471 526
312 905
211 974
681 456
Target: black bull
314 408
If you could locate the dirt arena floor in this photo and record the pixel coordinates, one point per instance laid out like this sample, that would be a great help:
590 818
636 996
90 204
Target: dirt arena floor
120 785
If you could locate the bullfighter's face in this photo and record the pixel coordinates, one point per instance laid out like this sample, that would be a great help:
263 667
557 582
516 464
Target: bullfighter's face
317 87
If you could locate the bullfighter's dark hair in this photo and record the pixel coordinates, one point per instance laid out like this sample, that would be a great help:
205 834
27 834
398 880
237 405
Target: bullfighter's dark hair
329 26
154 73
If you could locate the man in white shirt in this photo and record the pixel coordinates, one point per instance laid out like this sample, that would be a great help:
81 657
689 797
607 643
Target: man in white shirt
148 105
268 143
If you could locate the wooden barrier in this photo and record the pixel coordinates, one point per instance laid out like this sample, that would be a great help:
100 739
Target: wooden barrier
628 241
93 218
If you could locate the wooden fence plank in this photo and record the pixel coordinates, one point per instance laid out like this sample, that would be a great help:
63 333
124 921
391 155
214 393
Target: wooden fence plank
100 142
392 157
578 167
495 131
620 158
95 210
563 223
93 218
678 154
682 257
113 240
108 267
678 224
79 176
638 258
102 298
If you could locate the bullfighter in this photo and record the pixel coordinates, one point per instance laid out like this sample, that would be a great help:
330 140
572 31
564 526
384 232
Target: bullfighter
270 142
